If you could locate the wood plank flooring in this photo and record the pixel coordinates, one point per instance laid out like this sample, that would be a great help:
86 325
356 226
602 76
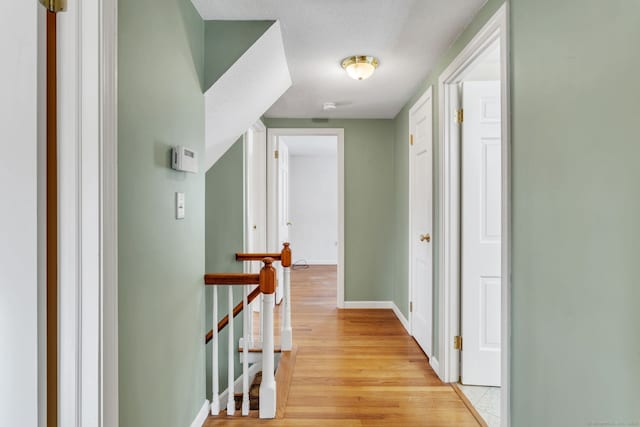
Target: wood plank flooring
356 368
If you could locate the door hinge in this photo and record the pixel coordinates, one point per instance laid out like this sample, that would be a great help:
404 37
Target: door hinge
457 342
411 139
411 307
460 116
276 154
54 5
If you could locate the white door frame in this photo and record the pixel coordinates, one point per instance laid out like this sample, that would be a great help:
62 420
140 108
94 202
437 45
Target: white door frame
449 225
87 105
272 182
428 94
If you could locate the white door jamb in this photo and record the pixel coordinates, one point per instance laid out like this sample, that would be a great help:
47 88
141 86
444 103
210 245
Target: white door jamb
88 214
496 29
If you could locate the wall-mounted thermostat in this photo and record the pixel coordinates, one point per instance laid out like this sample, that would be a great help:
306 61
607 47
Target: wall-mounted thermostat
184 159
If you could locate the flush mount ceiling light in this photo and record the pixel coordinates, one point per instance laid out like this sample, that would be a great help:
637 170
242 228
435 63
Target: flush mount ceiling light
360 67
328 106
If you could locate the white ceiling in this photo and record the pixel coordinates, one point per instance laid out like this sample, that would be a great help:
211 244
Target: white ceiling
311 145
408 36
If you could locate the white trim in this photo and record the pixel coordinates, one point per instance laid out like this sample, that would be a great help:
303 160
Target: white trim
435 365
272 244
202 415
259 126
425 96
403 320
88 214
449 228
368 305
110 409
318 261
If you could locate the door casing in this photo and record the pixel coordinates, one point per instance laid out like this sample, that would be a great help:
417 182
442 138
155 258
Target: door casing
272 196
494 31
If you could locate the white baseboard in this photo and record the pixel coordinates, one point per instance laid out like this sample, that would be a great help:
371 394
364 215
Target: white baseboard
403 320
435 365
368 304
202 415
322 262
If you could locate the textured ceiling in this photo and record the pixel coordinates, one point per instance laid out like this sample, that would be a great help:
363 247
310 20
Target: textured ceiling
408 36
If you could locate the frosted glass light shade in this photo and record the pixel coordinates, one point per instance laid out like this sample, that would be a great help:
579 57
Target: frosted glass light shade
360 67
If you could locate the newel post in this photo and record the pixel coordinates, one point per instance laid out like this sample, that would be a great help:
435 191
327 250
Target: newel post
287 332
268 385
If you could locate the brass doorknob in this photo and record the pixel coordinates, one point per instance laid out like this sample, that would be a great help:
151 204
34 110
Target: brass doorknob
424 237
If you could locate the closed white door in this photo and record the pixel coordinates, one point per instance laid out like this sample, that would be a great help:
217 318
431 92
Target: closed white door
284 221
255 146
481 233
421 123
283 193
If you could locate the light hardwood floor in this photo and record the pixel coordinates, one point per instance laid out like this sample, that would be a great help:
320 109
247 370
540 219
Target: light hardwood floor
356 367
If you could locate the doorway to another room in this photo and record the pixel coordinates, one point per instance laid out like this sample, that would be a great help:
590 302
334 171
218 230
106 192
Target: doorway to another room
474 226
306 198
480 260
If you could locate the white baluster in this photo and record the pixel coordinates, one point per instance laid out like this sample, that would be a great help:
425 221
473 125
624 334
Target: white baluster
268 385
231 404
215 401
250 325
261 317
287 332
245 351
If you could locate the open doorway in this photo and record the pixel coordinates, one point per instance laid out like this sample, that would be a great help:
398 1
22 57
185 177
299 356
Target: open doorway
480 261
305 197
474 247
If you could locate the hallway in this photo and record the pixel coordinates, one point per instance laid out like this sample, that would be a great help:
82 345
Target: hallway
356 367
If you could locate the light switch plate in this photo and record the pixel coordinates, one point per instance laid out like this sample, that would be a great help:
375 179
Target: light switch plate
180 205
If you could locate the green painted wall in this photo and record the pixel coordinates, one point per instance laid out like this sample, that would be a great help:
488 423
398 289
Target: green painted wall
576 204
368 157
161 259
226 42
401 173
224 236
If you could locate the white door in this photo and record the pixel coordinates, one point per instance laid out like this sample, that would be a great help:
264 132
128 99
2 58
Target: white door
284 221
421 122
255 147
481 230
283 193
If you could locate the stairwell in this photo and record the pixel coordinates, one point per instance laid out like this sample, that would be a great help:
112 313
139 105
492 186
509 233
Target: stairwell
261 390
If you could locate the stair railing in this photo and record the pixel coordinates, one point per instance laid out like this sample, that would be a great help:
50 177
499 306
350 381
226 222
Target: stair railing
286 334
267 286
266 281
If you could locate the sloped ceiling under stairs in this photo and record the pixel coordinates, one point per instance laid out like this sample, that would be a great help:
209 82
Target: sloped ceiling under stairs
245 92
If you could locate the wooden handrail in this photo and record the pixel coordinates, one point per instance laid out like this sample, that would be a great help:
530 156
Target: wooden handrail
231 279
257 256
266 279
284 256
236 310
